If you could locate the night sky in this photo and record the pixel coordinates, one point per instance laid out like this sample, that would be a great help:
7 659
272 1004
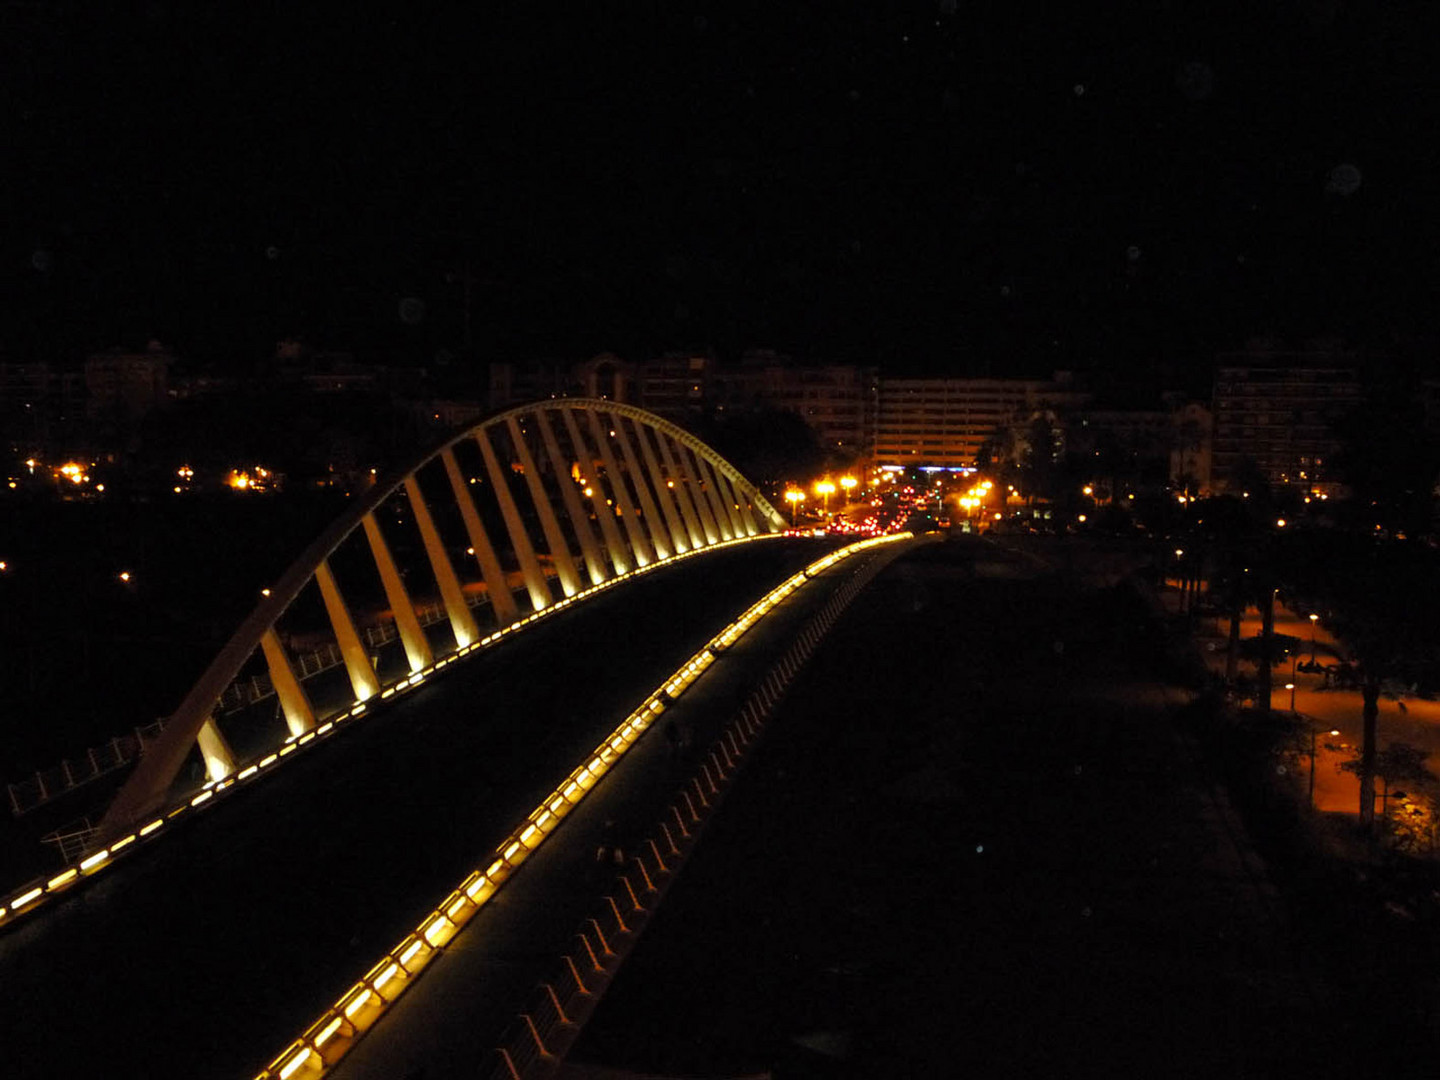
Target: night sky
935 187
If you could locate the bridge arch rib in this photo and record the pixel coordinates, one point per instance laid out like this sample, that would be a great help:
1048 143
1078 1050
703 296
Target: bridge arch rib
572 494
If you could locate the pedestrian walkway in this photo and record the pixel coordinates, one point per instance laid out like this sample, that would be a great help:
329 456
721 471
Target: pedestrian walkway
1325 709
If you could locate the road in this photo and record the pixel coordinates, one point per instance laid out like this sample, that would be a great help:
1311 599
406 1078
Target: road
204 956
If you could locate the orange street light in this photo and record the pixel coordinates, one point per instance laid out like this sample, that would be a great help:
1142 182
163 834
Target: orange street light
825 489
794 498
1313 620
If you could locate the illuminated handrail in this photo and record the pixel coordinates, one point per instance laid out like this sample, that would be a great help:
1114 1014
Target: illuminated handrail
559 1008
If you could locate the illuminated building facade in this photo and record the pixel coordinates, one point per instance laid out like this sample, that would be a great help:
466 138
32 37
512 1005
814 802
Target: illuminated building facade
837 401
944 422
1275 410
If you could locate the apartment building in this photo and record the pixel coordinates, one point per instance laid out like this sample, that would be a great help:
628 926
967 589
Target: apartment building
1275 408
944 422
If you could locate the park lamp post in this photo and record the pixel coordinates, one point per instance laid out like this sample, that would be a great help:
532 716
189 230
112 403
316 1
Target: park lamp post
1333 732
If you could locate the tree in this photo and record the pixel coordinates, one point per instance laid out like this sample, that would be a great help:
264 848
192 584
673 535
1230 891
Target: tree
1380 596
1398 763
1256 649
1389 457
767 445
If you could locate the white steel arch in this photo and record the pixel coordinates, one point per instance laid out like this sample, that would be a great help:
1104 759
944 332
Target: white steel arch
567 502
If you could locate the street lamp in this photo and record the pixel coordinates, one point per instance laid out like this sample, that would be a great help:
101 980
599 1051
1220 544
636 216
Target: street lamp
1313 620
848 483
1333 732
794 498
825 489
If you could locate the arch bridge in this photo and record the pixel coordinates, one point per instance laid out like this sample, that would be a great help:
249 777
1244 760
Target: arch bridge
527 511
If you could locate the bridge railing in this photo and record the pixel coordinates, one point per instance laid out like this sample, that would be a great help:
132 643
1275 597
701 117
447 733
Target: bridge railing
27 794
330 1037
557 1009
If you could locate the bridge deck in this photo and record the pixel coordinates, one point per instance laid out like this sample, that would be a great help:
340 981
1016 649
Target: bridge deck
204 956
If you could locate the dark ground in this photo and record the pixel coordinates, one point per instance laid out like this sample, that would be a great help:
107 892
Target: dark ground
981 837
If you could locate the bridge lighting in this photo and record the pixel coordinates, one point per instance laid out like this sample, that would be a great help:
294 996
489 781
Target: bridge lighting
295 1062
385 976
327 1032
24 898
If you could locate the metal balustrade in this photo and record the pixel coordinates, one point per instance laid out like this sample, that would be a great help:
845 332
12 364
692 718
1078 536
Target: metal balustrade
557 1009
47 784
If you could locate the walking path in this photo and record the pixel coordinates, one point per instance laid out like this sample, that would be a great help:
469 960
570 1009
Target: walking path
1410 720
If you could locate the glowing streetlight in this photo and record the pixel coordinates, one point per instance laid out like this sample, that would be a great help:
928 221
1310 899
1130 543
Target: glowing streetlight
848 483
1314 619
825 489
794 498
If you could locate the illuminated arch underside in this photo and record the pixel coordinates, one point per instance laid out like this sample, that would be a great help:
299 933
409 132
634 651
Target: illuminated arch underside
574 492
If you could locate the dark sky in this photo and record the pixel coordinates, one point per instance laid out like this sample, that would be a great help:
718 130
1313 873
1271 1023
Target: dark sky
932 186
